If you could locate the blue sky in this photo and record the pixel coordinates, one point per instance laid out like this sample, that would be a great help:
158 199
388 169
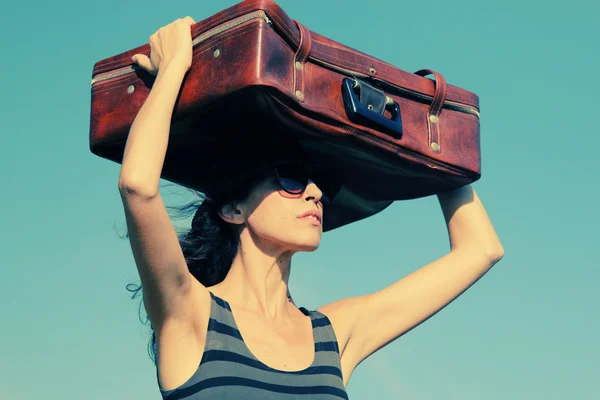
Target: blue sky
528 330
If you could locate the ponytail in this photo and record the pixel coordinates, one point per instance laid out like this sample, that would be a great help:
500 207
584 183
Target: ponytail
210 246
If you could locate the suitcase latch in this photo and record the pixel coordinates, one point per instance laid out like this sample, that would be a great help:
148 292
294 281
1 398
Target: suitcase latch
366 105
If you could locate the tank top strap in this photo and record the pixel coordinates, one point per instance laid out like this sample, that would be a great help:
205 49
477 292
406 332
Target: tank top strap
325 338
220 310
223 333
327 354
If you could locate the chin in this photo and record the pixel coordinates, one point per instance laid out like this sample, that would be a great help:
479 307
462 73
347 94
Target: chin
309 248
309 244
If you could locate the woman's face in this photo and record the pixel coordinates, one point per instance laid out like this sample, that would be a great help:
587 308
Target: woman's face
279 219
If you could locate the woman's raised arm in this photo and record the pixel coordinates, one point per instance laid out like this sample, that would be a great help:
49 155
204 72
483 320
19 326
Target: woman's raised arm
170 291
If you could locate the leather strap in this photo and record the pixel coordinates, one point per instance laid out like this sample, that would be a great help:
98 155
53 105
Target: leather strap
433 116
300 58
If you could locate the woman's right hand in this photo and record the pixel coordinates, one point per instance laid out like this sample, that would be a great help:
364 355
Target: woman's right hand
171 44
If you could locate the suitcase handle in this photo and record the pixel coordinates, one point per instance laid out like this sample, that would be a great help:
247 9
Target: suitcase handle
368 109
437 105
441 88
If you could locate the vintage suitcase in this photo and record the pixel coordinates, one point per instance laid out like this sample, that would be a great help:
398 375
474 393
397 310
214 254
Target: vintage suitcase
390 134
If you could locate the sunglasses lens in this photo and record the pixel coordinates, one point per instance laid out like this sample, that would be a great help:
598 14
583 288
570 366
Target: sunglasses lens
294 182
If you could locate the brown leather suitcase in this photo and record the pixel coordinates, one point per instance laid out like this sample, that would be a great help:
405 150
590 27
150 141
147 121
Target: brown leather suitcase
256 73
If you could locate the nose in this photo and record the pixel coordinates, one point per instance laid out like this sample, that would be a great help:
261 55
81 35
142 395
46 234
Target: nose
312 191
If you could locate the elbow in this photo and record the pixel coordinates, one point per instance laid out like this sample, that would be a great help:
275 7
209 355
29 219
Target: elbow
495 253
128 189
491 253
497 257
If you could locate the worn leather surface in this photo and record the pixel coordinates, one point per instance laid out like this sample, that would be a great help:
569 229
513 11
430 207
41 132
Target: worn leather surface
282 79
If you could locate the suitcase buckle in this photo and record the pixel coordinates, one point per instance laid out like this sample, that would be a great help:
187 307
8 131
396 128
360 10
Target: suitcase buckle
365 105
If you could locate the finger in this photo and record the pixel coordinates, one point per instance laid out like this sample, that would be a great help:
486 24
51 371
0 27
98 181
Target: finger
144 62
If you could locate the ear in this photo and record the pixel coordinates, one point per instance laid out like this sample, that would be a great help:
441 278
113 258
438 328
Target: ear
231 213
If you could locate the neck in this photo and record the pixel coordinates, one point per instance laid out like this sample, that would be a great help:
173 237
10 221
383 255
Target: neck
258 278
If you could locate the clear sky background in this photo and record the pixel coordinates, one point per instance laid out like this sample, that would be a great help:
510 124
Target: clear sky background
528 330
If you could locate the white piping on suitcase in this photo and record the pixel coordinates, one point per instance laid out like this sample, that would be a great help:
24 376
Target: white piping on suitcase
198 39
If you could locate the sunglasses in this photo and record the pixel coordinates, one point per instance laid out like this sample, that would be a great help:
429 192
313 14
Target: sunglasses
295 180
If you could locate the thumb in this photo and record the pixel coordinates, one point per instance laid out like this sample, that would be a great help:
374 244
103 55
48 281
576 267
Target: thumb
144 62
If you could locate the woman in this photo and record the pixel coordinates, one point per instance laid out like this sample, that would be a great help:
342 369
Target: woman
223 320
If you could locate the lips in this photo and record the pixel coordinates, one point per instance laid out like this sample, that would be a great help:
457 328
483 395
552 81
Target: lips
317 215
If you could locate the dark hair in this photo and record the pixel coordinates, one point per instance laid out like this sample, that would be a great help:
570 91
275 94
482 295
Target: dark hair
209 245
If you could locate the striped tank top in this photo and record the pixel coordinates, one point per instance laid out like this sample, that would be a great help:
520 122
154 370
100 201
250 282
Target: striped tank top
228 370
